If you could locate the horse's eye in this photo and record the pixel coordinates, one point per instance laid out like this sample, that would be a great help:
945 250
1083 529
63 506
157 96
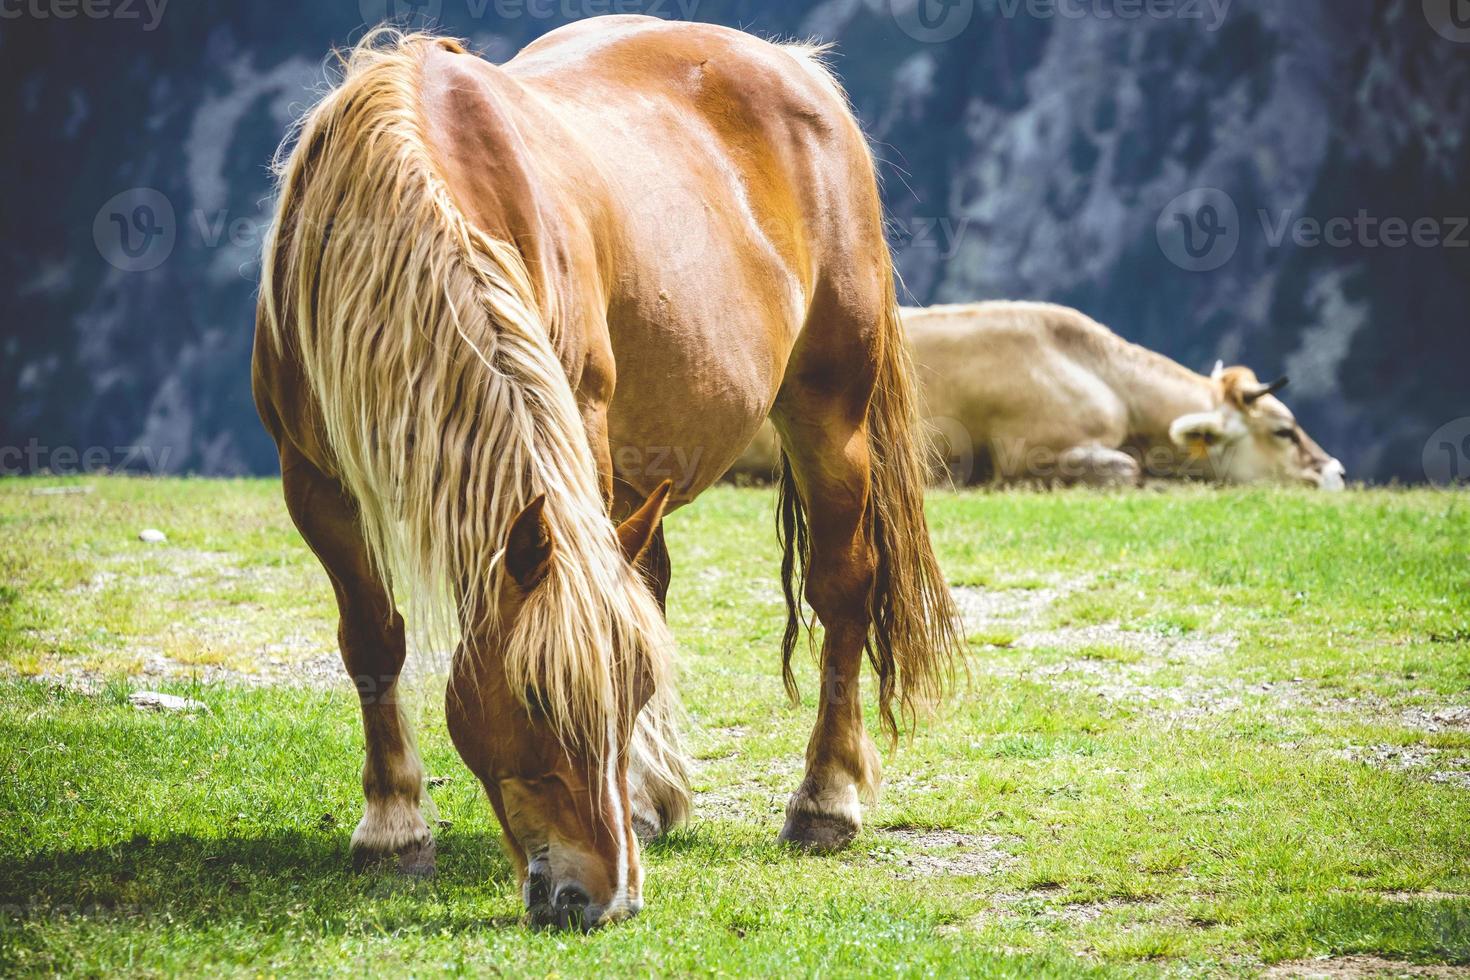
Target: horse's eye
1286 434
536 703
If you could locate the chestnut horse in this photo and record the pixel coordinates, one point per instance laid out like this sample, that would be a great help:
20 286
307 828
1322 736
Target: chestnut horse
485 285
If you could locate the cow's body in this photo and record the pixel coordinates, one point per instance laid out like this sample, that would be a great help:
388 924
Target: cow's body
1039 393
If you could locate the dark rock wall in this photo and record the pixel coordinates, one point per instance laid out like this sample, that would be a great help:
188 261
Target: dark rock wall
1049 149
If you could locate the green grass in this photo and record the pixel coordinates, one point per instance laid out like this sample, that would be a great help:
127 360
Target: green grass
1203 732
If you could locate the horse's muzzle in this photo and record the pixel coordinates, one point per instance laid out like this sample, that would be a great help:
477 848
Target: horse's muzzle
567 905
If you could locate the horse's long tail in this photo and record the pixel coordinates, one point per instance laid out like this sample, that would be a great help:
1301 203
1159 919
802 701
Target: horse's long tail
916 627
915 633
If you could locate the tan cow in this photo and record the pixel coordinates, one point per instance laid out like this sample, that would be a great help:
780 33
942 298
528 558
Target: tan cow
1038 393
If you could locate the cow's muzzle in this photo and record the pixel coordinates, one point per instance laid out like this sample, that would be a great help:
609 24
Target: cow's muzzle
1334 476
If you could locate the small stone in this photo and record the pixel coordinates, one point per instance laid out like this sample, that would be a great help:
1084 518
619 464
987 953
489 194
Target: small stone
152 535
154 701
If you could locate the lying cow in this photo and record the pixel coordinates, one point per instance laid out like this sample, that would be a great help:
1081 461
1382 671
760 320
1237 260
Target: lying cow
1037 393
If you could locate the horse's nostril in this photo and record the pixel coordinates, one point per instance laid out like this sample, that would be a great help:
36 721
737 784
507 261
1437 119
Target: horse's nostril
538 890
572 897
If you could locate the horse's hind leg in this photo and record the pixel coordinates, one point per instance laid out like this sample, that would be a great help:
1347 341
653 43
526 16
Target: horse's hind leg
370 633
826 441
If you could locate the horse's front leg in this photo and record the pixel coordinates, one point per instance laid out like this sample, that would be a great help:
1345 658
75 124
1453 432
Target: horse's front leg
370 633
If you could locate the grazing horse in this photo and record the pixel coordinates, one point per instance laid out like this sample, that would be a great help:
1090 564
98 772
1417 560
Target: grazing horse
494 299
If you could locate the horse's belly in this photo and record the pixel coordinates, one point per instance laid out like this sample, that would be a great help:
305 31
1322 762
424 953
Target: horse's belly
688 401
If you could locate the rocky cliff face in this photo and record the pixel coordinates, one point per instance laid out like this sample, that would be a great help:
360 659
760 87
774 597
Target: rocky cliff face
1282 185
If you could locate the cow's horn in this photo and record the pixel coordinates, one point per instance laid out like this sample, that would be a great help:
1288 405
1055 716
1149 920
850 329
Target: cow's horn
1265 390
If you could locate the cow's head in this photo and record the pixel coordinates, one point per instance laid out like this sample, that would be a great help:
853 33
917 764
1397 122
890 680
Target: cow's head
1251 437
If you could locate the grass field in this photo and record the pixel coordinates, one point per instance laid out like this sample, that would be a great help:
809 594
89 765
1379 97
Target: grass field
1205 733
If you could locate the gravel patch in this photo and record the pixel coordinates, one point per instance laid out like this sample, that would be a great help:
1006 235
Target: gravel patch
1159 648
1407 898
1399 758
1132 682
1040 906
1452 718
982 609
940 853
749 800
1356 967
1127 680
1437 765
283 665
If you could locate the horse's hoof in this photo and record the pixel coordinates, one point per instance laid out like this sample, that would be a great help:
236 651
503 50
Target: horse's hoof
818 833
413 860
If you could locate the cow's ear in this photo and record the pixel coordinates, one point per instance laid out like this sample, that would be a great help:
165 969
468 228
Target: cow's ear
1198 433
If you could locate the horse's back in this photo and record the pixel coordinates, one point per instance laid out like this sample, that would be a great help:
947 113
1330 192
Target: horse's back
735 185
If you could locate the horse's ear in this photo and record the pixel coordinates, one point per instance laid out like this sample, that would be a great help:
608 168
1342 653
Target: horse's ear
637 531
529 546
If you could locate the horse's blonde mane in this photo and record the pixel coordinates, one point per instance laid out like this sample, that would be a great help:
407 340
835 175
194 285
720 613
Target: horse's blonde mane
815 57
444 404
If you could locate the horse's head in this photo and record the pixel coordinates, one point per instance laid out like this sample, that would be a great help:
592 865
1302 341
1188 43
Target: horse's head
542 707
